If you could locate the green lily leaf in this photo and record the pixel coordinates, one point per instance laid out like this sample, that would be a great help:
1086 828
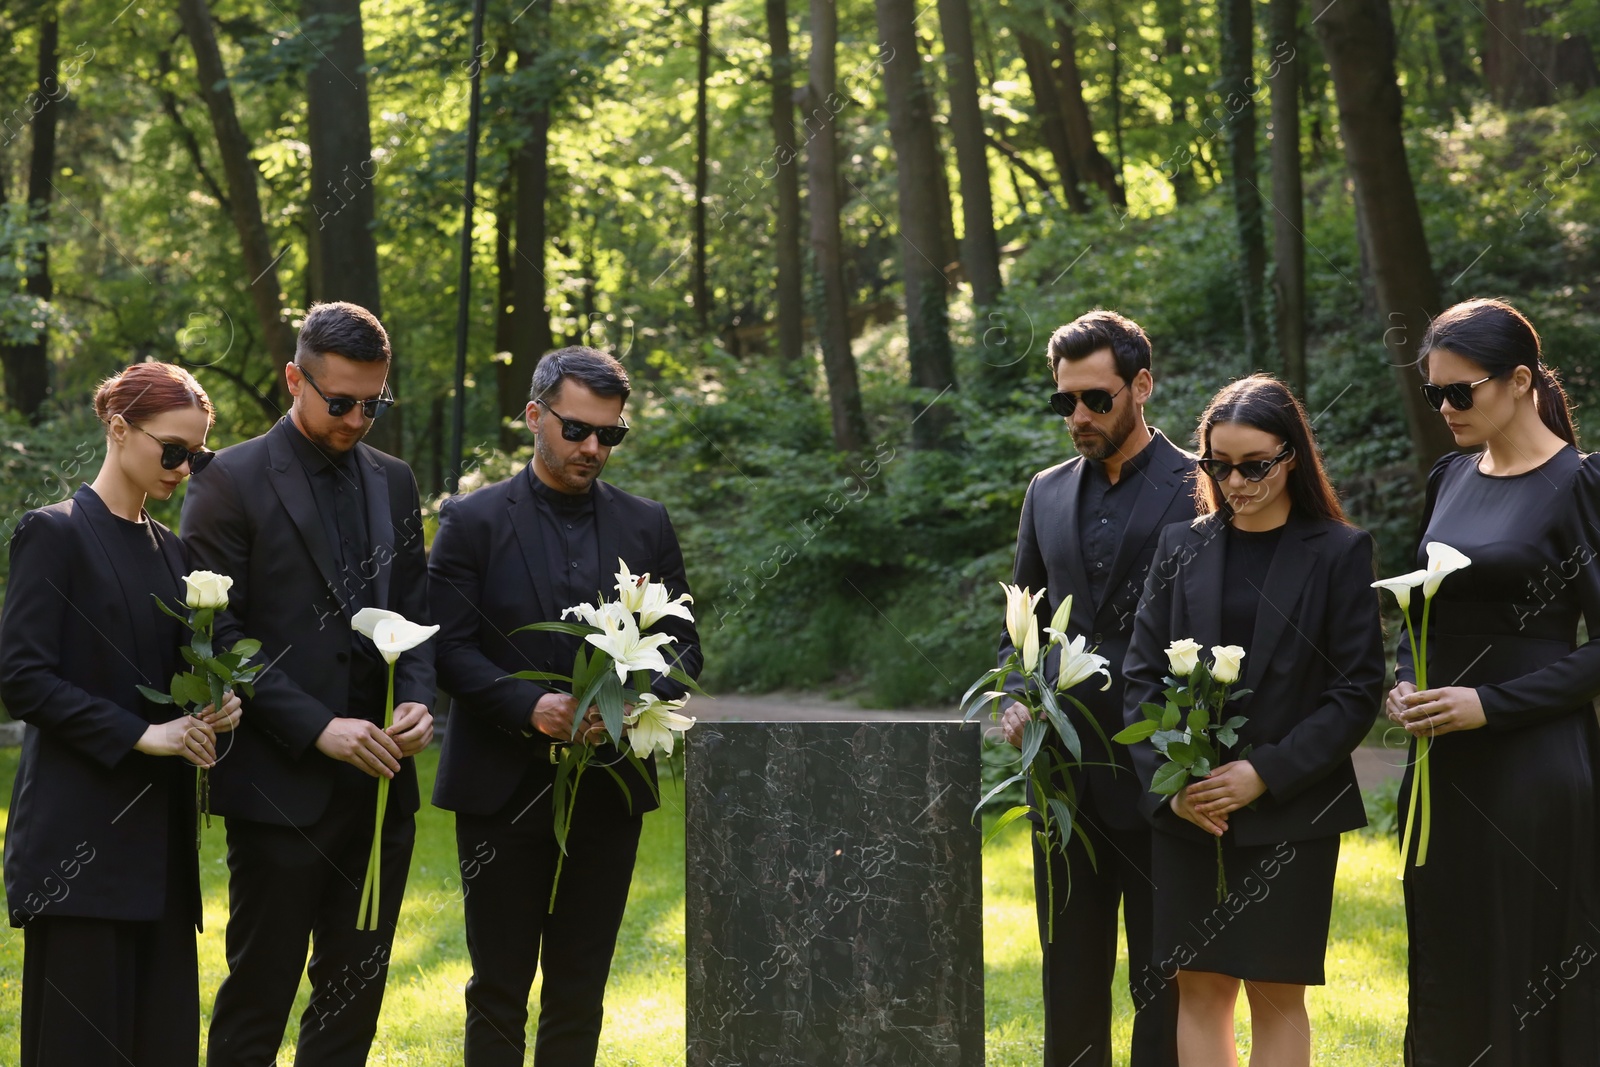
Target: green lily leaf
1011 815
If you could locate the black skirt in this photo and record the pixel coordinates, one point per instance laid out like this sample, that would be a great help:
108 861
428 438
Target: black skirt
1271 925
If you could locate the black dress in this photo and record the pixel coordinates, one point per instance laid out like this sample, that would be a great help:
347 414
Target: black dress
1504 917
100 864
1272 925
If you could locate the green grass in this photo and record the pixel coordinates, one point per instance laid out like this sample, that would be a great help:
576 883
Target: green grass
1358 1018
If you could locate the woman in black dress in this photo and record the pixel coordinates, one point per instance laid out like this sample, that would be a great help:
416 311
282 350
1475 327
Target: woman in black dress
1504 916
100 864
1270 566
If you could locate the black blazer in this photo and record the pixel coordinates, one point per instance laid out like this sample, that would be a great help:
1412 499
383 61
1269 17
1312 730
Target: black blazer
1315 668
251 515
1048 557
487 577
91 821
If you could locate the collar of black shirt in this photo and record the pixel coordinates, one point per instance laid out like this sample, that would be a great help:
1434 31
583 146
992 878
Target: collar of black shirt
567 503
1141 460
315 459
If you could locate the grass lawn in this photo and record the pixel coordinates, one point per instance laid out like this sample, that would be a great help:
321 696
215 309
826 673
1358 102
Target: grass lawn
1358 1018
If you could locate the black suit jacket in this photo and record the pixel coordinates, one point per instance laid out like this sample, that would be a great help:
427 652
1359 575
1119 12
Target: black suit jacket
488 577
1315 669
90 818
251 515
1048 557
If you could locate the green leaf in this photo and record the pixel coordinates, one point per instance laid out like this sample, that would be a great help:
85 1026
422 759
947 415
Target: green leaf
201 643
1154 712
1200 767
541 676
1033 735
203 618
577 629
217 667
966 698
1011 815
1063 726
154 696
1169 779
1235 722
168 611
246 688
1132 735
627 794
609 698
1240 693
1185 697
991 794
1227 737
218 694
644 774
1181 752
1170 717
245 647
1199 719
191 657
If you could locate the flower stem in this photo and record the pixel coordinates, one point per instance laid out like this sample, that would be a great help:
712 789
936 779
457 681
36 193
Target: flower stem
367 918
1222 878
561 854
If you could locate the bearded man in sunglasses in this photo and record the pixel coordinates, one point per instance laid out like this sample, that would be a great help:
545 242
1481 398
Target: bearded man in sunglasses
507 555
1089 528
313 526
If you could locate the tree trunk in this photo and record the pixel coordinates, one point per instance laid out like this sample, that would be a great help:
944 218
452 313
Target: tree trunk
244 200
701 288
1358 39
917 163
791 283
1523 66
1288 221
1052 126
1179 168
980 251
832 309
1455 61
1237 91
530 321
343 250
27 365
511 395
1090 162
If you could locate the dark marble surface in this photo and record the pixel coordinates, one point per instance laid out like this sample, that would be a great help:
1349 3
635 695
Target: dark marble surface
834 895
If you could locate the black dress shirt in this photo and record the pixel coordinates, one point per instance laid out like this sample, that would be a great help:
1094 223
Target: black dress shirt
1103 511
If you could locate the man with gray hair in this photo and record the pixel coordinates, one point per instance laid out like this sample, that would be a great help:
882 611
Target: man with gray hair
507 555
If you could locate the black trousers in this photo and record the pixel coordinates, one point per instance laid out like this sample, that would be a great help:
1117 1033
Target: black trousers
508 864
289 885
1080 964
103 992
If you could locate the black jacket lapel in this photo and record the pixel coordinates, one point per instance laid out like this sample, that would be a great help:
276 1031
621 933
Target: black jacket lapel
606 522
1280 591
1059 514
1202 582
524 521
1166 475
289 481
380 523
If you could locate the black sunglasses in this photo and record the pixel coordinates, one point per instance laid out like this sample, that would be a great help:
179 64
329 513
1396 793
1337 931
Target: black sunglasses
1458 393
340 406
1253 469
1096 400
573 430
175 455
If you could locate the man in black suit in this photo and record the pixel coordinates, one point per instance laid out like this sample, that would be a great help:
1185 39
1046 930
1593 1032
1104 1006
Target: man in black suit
313 526
1089 528
510 554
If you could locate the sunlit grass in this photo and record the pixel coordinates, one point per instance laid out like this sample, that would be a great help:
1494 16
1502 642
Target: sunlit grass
1357 1019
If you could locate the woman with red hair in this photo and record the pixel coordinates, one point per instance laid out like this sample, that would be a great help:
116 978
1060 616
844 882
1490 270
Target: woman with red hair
101 871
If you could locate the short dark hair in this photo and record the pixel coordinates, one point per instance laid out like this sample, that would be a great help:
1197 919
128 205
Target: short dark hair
1088 334
344 329
589 367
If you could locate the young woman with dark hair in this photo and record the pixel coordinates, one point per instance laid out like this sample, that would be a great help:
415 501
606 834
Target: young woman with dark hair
1271 566
1503 914
100 864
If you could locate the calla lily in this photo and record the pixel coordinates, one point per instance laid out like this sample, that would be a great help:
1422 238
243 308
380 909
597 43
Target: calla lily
1225 663
1401 586
1182 657
656 722
366 619
1077 663
657 605
1443 561
628 648
391 631
630 587
1021 622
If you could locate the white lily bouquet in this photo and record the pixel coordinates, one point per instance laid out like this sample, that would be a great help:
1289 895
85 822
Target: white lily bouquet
393 633
212 675
616 644
1052 797
1442 562
1190 729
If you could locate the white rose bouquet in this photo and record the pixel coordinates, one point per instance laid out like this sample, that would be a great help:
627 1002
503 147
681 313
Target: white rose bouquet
212 675
1190 729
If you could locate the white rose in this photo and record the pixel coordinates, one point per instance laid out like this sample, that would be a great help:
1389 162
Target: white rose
1182 656
207 589
1226 667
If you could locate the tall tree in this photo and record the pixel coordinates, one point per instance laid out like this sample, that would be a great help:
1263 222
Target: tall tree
27 365
1090 162
1357 37
1047 108
343 250
1523 63
791 285
832 308
244 199
530 320
1237 88
1455 61
702 145
917 161
1179 168
1288 220
980 251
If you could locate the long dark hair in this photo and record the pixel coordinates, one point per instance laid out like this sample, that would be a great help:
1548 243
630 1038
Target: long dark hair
1499 338
1265 403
